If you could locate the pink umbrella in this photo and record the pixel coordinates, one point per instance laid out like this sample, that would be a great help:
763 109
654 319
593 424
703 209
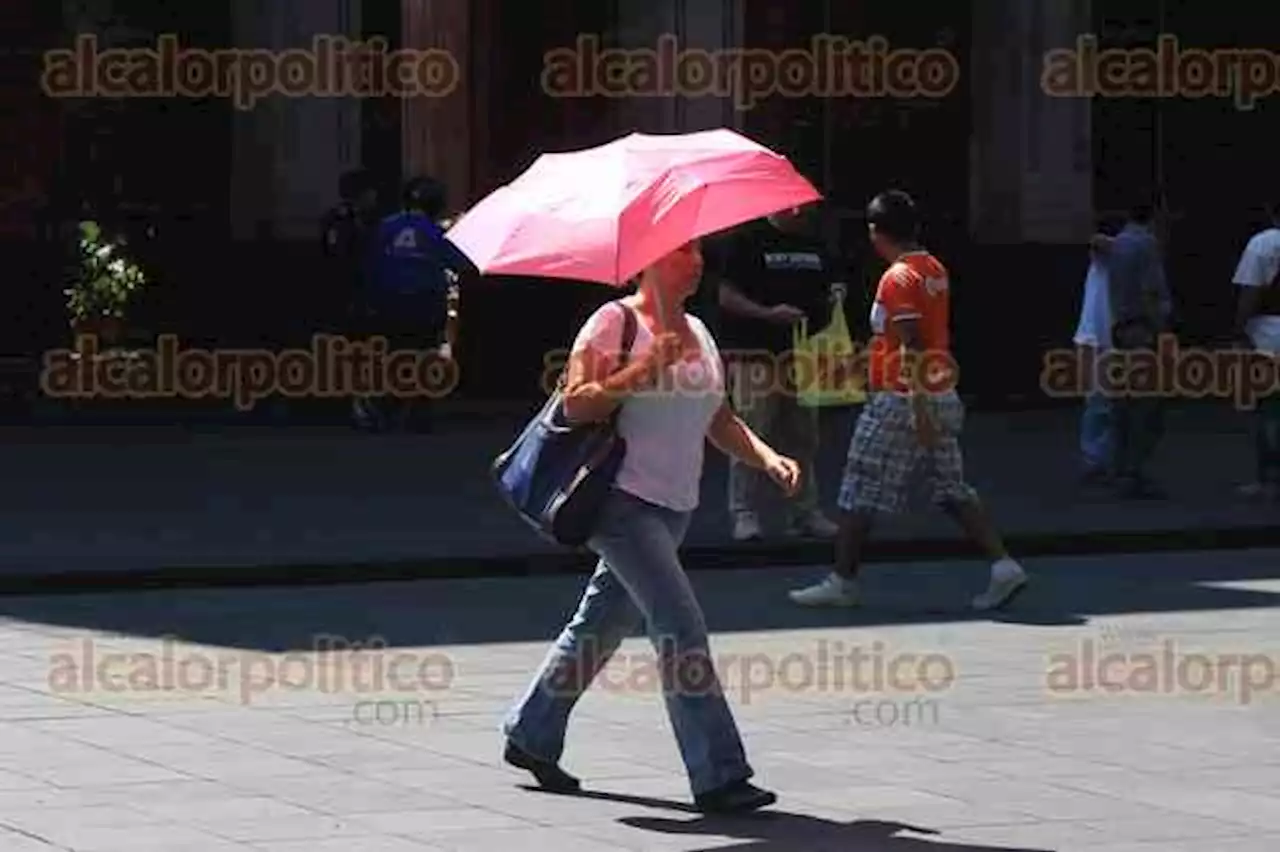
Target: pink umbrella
604 214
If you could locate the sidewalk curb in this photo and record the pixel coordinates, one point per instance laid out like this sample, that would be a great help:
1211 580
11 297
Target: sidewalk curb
705 558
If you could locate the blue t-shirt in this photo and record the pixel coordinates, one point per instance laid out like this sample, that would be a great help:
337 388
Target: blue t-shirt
1136 271
409 257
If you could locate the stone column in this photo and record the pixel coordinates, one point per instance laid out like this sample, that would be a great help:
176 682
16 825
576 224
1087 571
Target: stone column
713 27
706 26
437 128
640 25
290 151
1031 154
252 137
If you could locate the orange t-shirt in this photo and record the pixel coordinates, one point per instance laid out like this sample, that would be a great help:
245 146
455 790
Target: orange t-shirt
915 287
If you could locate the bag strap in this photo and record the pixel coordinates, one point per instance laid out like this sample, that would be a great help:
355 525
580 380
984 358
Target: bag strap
630 325
628 339
625 344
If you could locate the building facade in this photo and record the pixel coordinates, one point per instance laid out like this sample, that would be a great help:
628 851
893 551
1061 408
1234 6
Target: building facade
1000 157
1012 174
997 158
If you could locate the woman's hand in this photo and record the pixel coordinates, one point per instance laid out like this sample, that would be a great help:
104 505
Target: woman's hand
667 349
735 439
784 471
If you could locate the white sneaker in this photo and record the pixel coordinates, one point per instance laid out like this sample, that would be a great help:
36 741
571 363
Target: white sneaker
1007 580
834 590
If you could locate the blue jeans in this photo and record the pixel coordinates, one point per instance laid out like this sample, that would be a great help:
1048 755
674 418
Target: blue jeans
639 579
1267 438
1097 432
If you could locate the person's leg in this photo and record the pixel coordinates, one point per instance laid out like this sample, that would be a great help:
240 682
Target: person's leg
420 408
1143 429
1266 438
799 434
882 456
1096 440
1269 442
1122 426
365 412
754 401
535 727
640 542
960 501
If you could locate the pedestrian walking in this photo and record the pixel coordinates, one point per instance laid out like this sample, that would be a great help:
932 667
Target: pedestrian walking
1257 327
344 237
906 441
1141 312
670 400
774 275
1093 338
410 298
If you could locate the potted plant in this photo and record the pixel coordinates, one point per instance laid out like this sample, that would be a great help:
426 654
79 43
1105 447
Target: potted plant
102 286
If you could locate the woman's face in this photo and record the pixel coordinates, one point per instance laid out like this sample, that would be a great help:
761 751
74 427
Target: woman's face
680 271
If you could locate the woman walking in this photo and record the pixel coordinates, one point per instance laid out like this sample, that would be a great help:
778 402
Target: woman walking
670 400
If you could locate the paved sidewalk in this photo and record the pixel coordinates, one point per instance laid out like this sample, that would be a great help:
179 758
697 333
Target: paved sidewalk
126 500
291 755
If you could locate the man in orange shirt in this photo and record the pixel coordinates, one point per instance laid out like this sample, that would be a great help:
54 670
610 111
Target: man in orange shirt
908 434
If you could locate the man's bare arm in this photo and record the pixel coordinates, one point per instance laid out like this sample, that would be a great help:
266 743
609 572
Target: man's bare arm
914 363
733 301
1246 308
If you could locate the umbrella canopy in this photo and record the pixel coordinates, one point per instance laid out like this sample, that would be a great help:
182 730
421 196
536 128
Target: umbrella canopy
604 214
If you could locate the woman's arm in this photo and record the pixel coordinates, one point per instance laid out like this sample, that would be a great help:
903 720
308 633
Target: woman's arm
734 438
595 387
731 436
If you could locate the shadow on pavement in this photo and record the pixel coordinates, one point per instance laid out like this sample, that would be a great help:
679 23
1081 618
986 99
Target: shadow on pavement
1065 591
780 831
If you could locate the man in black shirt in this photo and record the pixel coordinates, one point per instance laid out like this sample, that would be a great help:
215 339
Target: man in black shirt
344 234
773 275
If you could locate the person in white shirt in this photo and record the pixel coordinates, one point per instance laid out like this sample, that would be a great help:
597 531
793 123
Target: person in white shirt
1258 327
670 401
1093 336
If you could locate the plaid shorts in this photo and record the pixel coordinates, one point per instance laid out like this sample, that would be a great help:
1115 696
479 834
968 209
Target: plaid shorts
887 468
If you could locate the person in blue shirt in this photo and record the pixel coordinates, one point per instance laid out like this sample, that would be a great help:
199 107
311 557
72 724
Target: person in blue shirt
1141 312
411 273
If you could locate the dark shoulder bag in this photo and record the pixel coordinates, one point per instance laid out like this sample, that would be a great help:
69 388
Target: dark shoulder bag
557 475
